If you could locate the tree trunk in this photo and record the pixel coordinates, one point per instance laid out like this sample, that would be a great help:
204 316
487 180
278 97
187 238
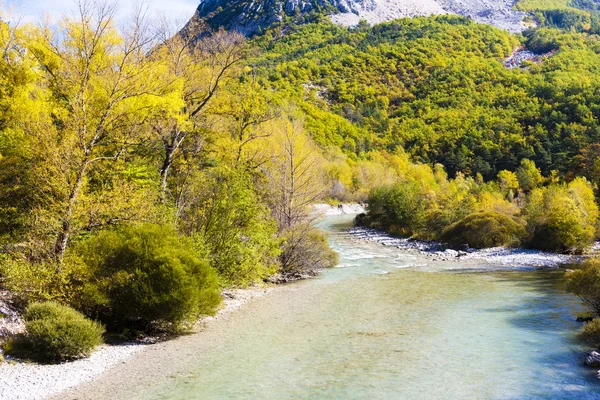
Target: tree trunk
171 144
164 172
62 240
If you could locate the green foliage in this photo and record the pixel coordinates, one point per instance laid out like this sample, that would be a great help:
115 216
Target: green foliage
585 284
528 175
437 87
41 280
57 333
564 14
562 218
591 332
400 208
238 230
508 183
306 250
484 230
146 277
426 204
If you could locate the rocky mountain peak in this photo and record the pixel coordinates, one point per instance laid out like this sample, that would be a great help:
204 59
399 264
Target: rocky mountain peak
251 16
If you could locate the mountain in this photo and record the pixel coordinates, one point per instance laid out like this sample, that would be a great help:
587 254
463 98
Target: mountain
250 17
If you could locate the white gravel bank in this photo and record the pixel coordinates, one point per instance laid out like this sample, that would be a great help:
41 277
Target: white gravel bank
329 210
499 256
29 381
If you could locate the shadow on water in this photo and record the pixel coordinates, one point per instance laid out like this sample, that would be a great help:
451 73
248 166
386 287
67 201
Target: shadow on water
550 312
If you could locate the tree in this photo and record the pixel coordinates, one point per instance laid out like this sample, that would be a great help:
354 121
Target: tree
224 210
296 179
508 182
585 284
22 103
562 217
248 107
103 89
200 67
529 175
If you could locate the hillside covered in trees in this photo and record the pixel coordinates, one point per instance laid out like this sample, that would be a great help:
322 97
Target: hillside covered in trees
437 88
143 170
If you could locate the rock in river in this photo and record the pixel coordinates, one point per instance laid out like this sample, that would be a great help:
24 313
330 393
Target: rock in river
592 359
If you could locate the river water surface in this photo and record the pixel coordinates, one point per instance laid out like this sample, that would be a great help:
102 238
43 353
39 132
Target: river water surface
389 324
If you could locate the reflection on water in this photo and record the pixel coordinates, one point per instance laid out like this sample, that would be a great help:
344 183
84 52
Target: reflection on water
388 325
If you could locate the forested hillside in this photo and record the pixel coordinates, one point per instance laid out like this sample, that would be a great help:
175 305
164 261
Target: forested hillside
436 91
437 87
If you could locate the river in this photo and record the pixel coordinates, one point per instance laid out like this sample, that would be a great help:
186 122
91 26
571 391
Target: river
385 324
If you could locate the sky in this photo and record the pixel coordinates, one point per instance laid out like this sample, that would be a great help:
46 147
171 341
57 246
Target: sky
33 10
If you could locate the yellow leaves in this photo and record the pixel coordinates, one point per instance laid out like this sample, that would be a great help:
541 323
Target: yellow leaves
582 193
490 201
294 165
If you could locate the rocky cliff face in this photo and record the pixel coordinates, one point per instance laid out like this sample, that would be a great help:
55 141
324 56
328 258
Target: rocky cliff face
252 16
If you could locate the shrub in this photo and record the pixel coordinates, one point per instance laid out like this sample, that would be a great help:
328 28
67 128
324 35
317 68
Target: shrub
306 250
562 218
146 277
57 333
585 284
400 208
591 332
484 230
41 279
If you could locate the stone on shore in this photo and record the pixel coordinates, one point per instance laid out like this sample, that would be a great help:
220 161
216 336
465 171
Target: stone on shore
592 359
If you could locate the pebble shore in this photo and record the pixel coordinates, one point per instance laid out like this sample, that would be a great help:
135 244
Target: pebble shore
29 381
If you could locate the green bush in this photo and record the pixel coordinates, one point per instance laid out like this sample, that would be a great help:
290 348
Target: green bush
400 209
57 333
562 218
484 230
41 280
306 250
585 284
591 332
145 278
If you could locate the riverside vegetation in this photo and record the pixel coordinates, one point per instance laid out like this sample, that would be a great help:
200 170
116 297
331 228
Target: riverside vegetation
141 171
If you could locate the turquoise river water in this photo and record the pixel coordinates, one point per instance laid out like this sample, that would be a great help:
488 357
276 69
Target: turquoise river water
393 325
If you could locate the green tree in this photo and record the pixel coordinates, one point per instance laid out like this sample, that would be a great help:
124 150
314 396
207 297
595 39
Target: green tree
528 175
236 226
562 218
584 283
508 182
295 180
103 87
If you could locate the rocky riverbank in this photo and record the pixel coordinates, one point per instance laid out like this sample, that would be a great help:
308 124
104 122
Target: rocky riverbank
500 256
21 380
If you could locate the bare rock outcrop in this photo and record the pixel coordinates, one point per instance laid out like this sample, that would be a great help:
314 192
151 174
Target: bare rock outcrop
251 17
